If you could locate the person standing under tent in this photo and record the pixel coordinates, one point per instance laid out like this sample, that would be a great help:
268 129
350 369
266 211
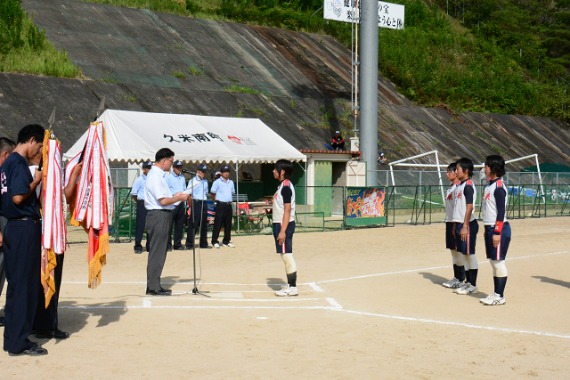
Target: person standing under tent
198 190
137 192
450 242
497 228
284 224
6 147
222 191
177 183
22 241
159 202
466 227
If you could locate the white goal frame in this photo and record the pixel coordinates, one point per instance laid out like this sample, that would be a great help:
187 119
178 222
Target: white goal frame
437 165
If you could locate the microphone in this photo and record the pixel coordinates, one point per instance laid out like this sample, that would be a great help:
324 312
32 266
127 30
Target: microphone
185 171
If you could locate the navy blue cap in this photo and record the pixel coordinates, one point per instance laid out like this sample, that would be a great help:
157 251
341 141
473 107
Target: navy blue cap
177 163
147 164
202 168
224 168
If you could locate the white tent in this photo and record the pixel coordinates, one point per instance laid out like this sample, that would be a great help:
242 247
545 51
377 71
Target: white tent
137 136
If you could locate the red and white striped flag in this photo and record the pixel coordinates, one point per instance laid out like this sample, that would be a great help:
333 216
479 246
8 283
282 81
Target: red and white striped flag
94 200
53 222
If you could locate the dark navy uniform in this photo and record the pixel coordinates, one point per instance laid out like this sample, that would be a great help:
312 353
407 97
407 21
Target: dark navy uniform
22 250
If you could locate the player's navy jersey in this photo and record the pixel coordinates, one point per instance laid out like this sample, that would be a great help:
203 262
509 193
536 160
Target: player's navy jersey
15 179
495 203
465 193
450 202
279 201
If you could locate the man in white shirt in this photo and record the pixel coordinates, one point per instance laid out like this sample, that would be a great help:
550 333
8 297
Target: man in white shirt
159 202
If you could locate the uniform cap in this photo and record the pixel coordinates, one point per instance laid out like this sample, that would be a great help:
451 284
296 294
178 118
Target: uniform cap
225 168
337 132
202 168
177 163
147 164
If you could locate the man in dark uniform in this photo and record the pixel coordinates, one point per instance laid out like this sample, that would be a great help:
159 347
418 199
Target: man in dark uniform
22 241
198 191
6 147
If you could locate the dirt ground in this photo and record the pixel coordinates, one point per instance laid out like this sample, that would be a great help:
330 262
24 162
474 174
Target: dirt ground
371 306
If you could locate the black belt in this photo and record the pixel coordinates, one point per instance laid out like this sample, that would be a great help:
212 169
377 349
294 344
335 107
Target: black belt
27 218
161 209
224 203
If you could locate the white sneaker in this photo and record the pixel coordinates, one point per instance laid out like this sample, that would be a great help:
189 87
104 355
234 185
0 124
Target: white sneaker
467 289
229 245
453 283
216 245
493 300
286 291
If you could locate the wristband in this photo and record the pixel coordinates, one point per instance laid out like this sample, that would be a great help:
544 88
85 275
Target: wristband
498 228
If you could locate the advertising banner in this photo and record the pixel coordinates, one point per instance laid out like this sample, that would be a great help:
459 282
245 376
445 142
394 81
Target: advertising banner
365 206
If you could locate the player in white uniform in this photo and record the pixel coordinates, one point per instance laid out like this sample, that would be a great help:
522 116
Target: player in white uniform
284 224
497 229
466 224
458 279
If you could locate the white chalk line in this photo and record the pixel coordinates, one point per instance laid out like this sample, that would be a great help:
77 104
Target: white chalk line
334 306
148 305
450 323
430 268
315 284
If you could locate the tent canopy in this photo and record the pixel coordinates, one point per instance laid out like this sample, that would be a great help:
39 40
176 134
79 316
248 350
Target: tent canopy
136 136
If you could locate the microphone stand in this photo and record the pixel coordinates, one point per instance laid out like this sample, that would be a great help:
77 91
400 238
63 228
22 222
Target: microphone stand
195 290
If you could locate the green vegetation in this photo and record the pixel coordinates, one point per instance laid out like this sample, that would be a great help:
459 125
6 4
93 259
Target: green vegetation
500 56
241 89
25 49
504 56
196 71
178 74
249 109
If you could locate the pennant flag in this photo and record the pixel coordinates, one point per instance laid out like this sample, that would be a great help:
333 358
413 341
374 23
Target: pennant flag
94 199
53 221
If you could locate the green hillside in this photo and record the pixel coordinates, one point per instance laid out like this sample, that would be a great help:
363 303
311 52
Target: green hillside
504 56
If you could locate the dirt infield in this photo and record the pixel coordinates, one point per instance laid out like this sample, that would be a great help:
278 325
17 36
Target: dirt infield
371 306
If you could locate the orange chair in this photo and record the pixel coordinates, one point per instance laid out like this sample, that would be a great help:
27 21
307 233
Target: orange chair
249 221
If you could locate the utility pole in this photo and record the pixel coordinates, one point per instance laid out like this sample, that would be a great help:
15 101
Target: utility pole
369 88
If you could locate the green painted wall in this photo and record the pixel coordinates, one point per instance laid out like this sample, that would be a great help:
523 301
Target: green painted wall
298 179
323 195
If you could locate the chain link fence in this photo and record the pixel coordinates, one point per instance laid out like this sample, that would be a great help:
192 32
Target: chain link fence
417 198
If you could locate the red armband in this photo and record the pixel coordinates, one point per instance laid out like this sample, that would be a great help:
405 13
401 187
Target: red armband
498 228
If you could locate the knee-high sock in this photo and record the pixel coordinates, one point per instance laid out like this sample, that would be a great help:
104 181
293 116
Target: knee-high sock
473 269
458 267
290 268
465 260
500 284
499 276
